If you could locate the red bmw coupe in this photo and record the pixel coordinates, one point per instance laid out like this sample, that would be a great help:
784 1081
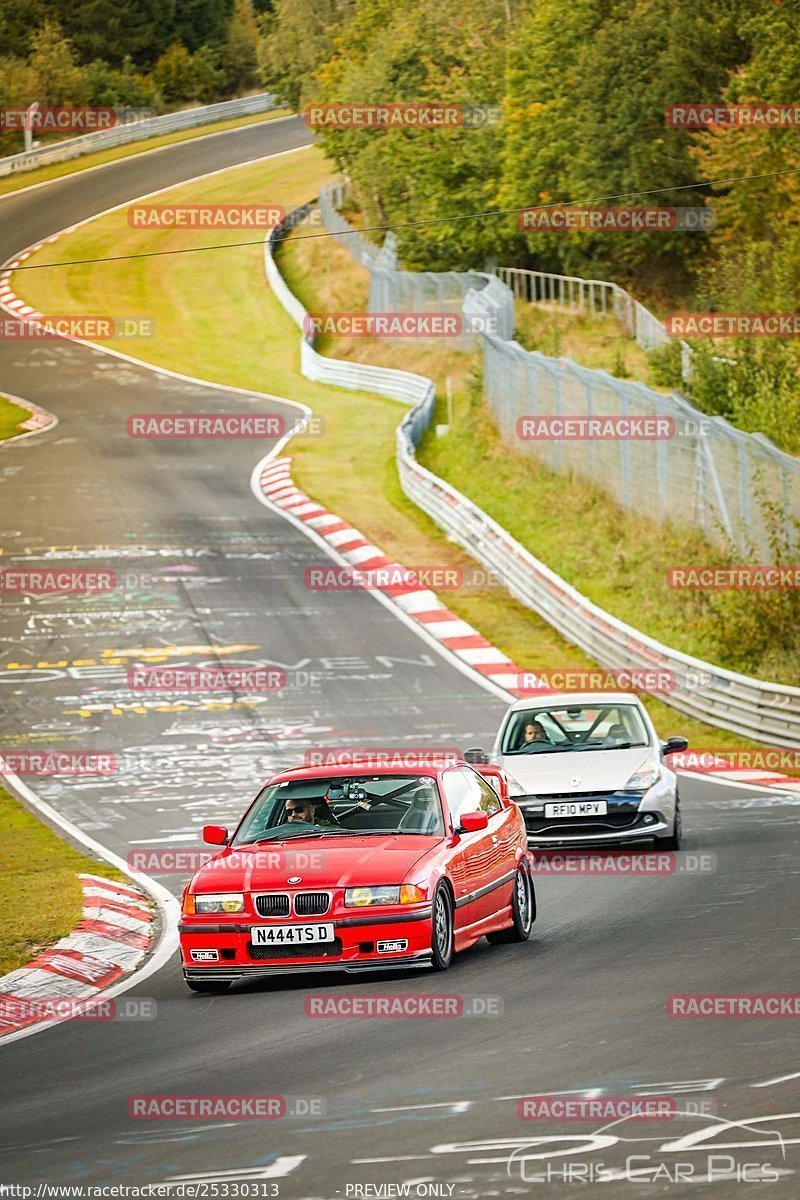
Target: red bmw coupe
359 868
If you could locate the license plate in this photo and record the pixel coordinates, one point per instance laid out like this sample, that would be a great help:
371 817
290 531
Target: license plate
290 935
577 808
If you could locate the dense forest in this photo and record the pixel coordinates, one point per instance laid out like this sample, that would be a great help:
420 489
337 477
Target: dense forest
583 89
140 53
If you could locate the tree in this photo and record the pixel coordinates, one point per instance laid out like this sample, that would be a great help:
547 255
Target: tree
239 54
56 77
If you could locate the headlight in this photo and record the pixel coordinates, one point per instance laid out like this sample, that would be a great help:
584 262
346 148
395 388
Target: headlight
361 897
647 775
219 902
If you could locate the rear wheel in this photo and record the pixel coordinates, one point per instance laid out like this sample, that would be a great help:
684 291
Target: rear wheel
523 908
442 933
210 987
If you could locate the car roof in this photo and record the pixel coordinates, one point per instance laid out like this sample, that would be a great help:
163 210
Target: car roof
561 698
366 766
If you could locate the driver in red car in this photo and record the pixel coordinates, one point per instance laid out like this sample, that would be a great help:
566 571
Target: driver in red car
309 812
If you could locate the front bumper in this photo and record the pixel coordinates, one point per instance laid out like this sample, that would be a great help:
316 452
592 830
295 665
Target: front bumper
214 949
629 818
352 967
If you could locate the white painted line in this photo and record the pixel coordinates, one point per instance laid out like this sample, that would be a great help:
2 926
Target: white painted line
779 1079
450 629
483 654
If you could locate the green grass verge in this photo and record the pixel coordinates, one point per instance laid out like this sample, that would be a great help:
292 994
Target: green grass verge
41 898
23 179
200 301
10 417
590 341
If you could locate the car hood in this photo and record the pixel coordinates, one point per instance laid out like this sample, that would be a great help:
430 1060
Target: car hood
326 862
602 771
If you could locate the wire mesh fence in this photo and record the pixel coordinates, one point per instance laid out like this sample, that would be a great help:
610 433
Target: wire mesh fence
695 471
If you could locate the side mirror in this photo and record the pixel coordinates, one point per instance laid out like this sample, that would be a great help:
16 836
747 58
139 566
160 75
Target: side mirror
215 835
674 745
471 822
476 755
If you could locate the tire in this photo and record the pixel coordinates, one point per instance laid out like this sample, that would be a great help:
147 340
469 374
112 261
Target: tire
673 840
523 908
208 987
442 931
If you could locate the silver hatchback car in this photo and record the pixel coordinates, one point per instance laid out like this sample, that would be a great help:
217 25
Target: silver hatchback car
588 769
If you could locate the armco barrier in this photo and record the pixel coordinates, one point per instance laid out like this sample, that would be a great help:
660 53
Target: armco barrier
105 139
763 711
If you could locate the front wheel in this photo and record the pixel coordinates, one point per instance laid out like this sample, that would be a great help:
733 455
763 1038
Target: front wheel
209 987
442 932
523 909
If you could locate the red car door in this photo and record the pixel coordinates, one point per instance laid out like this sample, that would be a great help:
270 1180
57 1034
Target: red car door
476 864
503 831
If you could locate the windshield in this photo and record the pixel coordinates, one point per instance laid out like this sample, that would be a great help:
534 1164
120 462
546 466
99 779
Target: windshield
344 805
560 728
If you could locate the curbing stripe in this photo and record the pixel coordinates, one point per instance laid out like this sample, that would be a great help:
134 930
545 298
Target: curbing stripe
111 939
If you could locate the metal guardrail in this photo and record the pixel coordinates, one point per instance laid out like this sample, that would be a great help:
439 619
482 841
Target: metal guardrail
105 139
763 711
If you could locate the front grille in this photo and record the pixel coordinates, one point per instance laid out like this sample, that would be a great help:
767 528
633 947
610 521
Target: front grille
325 950
616 820
272 906
311 904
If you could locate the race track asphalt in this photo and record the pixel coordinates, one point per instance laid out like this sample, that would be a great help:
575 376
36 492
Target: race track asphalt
581 1007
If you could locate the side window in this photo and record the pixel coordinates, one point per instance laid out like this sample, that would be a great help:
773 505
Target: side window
458 793
489 800
467 792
